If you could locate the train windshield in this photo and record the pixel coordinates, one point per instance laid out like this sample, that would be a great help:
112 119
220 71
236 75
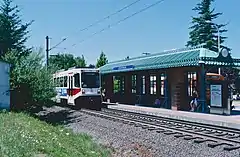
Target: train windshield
90 80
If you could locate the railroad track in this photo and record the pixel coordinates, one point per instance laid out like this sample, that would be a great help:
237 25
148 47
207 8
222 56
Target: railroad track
199 133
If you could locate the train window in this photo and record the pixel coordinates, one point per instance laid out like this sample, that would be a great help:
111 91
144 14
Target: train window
134 83
163 77
55 81
61 81
58 82
76 80
153 84
62 85
192 82
90 80
71 82
65 81
143 85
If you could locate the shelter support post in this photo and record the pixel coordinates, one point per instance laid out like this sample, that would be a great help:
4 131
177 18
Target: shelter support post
166 90
203 88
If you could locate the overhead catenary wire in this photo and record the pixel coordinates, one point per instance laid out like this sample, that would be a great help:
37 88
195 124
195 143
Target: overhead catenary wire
118 22
58 44
100 20
107 17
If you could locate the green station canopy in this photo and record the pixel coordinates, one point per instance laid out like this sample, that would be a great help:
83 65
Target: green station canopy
186 57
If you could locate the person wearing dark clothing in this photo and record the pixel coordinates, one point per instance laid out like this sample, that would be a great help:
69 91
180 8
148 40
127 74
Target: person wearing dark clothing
193 103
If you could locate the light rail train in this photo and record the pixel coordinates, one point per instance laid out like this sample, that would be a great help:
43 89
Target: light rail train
79 87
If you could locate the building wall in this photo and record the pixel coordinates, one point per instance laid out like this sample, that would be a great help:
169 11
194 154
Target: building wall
178 86
175 77
4 86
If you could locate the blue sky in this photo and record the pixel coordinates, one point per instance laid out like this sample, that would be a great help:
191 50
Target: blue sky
160 28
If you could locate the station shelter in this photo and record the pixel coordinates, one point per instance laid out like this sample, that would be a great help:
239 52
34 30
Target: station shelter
168 79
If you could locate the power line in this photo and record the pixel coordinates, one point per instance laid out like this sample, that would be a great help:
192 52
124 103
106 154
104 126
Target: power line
111 25
58 44
48 49
118 11
61 48
97 22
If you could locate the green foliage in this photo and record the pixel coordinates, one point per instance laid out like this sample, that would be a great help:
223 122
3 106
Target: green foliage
203 29
31 82
91 66
22 135
80 61
13 34
66 61
102 60
116 86
62 61
231 74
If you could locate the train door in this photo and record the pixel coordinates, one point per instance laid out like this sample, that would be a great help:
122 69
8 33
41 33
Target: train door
70 90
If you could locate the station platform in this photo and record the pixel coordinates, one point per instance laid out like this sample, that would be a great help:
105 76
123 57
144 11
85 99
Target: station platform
232 121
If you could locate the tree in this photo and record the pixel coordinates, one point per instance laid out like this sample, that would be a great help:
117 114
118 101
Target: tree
80 61
62 61
91 66
66 61
102 60
13 34
231 74
31 82
204 31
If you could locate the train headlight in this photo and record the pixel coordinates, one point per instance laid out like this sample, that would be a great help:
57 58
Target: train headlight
83 91
98 91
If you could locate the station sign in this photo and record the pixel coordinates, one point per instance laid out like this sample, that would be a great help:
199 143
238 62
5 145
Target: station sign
124 67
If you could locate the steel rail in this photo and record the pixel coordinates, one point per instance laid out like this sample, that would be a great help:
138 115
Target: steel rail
168 127
172 120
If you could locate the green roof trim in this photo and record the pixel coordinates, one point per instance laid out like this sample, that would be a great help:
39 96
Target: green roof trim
175 58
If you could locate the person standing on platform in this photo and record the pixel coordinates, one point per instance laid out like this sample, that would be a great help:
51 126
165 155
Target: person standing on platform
193 103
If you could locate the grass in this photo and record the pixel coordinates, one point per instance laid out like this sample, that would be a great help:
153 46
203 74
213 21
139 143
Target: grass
22 135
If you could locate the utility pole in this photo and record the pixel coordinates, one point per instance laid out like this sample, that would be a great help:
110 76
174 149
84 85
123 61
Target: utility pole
47 49
219 69
216 26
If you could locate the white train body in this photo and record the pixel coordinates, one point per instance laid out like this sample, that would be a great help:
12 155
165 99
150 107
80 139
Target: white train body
77 85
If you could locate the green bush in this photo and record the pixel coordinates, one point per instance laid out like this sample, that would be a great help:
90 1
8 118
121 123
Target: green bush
31 82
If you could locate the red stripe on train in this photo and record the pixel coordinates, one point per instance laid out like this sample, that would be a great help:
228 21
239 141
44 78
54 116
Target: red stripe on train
72 92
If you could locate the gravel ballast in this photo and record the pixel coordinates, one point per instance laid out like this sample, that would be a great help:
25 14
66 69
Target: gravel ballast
131 141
